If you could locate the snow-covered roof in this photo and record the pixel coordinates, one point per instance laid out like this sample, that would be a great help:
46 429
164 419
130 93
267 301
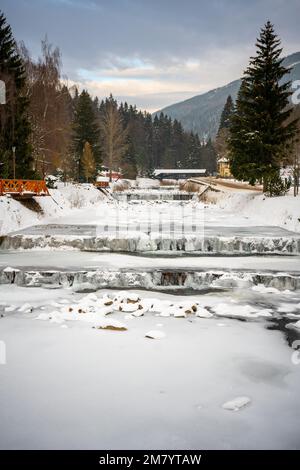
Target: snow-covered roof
179 171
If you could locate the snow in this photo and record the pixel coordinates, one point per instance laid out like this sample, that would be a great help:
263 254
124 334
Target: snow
155 334
81 366
203 312
269 290
236 404
73 203
147 183
241 311
66 199
296 324
74 260
282 211
79 387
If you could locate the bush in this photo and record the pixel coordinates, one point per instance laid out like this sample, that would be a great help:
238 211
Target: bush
51 182
275 186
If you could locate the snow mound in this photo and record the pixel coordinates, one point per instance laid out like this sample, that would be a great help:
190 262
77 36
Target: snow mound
242 311
203 312
95 309
155 334
236 404
294 325
283 211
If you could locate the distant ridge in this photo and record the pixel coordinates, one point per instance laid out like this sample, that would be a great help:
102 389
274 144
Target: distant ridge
202 113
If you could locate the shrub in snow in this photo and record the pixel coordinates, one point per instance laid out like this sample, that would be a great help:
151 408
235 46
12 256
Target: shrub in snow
51 181
276 186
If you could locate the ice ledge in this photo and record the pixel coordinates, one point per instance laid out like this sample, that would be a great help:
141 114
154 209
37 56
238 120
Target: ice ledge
153 280
141 242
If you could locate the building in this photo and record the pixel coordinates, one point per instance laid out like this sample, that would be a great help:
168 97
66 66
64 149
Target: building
105 173
224 168
178 174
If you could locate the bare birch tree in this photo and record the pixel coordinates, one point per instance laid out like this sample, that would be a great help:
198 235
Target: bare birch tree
114 135
88 162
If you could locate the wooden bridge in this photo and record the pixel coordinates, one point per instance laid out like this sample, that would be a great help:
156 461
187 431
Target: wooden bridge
23 189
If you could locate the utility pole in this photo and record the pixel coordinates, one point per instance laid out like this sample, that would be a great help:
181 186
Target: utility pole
296 179
14 161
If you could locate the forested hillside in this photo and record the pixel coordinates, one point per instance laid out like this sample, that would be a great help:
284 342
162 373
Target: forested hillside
201 114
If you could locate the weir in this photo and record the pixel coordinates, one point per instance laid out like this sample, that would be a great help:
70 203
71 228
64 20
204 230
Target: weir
139 242
153 195
153 280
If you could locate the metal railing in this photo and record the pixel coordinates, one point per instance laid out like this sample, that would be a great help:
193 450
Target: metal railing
21 187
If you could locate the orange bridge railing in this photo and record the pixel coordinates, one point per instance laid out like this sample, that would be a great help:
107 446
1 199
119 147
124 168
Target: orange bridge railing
24 187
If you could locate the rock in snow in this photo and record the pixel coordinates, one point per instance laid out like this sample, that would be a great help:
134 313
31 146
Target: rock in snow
25 308
203 312
236 404
155 334
295 325
114 325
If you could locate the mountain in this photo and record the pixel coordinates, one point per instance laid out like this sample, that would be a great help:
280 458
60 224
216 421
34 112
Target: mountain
202 113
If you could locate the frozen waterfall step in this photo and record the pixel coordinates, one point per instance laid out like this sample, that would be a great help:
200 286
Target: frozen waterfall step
155 279
154 195
101 229
211 240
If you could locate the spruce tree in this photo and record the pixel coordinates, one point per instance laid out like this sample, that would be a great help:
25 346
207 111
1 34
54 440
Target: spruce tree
259 135
221 142
226 114
14 123
85 129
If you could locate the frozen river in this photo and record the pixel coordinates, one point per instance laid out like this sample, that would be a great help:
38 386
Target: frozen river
79 387
224 298
70 260
161 226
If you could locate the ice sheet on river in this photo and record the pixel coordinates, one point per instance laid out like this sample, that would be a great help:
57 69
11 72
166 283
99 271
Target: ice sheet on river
100 380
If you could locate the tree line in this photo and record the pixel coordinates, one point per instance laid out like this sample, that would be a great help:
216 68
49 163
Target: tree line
56 129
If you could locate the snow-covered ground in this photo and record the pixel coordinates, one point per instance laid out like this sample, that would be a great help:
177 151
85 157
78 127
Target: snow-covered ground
282 211
72 204
69 385
68 198
143 369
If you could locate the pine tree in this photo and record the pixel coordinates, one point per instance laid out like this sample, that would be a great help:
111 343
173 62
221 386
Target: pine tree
221 142
193 152
14 123
210 157
88 162
85 129
226 114
259 136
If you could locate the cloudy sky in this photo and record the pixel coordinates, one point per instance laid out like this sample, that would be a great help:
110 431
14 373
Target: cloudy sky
152 52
